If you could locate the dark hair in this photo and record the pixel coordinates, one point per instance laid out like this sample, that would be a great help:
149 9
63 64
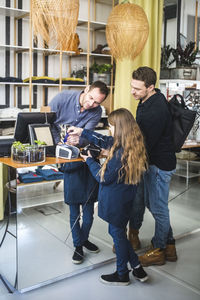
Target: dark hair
102 87
145 74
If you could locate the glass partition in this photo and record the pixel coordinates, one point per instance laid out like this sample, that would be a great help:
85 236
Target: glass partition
44 240
8 231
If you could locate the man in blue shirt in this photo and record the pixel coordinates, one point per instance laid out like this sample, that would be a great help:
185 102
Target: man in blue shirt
81 109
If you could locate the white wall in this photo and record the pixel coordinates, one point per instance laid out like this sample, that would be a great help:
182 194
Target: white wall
188 8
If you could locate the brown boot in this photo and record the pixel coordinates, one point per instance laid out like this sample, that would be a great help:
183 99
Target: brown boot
170 253
134 238
154 256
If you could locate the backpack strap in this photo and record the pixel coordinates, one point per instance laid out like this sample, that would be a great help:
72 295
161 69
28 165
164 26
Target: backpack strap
180 99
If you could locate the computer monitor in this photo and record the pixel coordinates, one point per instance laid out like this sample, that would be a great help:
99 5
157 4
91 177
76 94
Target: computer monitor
41 132
25 119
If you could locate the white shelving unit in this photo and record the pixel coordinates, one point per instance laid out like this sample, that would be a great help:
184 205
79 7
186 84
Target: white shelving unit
188 169
89 25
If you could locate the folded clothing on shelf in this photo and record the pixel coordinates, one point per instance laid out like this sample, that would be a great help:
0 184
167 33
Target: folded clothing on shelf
30 177
41 79
49 174
71 80
10 79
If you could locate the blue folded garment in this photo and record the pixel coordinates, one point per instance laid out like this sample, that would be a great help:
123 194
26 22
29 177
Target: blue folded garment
30 177
50 174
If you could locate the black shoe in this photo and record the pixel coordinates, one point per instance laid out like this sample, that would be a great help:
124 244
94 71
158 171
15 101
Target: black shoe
91 247
115 279
77 258
140 274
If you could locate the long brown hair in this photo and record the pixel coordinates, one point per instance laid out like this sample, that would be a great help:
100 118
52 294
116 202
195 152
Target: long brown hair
127 136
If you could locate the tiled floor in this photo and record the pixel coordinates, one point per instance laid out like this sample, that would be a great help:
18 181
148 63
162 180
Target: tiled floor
179 280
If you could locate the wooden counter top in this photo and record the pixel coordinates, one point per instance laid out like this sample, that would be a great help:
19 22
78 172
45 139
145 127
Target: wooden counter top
191 145
49 161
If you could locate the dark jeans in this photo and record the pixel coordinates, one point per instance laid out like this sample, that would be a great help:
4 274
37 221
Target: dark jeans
123 248
80 232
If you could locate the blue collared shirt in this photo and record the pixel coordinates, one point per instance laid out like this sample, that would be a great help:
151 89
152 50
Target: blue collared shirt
68 111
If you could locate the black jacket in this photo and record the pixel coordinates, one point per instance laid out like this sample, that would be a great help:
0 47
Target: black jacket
155 122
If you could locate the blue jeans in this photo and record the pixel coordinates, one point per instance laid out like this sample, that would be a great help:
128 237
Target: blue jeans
123 249
80 232
138 209
153 192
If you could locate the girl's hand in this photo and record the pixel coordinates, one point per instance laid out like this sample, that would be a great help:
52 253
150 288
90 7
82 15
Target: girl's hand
104 152
73 140
86 156
72 130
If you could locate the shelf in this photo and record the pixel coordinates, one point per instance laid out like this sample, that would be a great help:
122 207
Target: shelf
42 50
2 137
182 173
107 2
14 48
13 12
19 13
50 51
93 24
7 119
42 84
95 55
40 200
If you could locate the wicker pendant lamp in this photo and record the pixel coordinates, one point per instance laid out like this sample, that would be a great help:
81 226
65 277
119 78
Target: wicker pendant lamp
127 30
55 21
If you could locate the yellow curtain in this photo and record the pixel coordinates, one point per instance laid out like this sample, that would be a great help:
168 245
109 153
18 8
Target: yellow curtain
150 56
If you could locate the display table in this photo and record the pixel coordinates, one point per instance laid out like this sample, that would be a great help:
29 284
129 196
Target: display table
18 257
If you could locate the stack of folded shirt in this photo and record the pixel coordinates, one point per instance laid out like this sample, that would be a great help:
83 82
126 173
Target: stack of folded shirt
49 174
30 177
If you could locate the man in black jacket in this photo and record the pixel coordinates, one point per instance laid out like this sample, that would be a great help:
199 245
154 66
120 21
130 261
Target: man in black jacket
155 122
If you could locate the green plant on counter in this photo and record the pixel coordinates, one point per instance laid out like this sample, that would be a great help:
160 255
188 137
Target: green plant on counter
40 143
100 68
22 147
26 153
19 146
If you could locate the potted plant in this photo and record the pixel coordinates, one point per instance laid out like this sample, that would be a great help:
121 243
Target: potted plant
184 59
165 62
101 72
26 153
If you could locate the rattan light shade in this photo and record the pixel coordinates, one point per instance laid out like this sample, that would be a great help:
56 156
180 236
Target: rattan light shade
55 21
127 30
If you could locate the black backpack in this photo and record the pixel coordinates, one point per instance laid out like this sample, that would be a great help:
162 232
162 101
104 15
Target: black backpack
183 120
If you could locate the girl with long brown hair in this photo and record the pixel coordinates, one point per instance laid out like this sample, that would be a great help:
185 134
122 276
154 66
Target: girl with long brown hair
118 177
